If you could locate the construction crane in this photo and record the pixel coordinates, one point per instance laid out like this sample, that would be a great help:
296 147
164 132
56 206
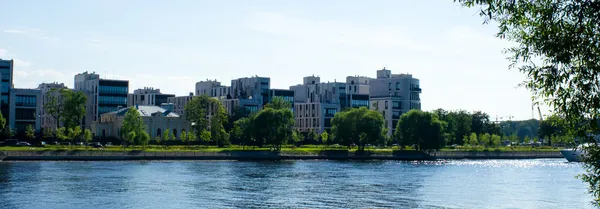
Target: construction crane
540 113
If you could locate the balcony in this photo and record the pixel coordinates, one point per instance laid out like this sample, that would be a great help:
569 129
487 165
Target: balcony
416 89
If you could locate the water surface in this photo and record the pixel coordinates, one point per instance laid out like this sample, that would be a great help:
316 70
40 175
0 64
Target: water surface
541 183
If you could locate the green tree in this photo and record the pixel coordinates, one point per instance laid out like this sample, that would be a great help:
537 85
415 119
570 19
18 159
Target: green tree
242 131
296 137
278 103
183 137
29 132
552 126
273 126
526 140
87 135
74 107
54 104
312 137
324 137
172 136
514 138
463 125
47 133
198 110
61 135
479 122
422 129
205 136
74 133
130 138
166 136
348 125
473 139
484 139
496 140
557 48
133 122
535 140
158 140
191 137
144 138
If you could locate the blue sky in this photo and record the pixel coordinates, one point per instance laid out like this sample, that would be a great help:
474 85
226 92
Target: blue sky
172 44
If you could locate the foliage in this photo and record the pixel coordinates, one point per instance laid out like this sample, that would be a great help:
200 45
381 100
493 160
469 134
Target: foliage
312 137
348 126
205 136
61 135
273 126
202 108
552 126
278 103
54 104
423 129
133 122
144 138
496 140
166 136
324 137
484 139
158 140
74 133
183 136
526 139
87 135
74 107
558 49
296 137
30 132
242 131
47 133
473 139
191 137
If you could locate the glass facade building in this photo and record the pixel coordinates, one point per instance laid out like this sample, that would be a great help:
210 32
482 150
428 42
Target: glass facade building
6 74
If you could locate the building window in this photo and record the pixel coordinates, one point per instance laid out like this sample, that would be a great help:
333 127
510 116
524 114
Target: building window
386 105
158 133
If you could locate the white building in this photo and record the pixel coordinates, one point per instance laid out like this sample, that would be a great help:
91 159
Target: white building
394 95
179 103
103 95
47 121
147 96
157 120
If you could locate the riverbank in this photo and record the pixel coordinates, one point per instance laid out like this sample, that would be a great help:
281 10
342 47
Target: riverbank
99 155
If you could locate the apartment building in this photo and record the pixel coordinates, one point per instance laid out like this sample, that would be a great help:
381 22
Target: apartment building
25 109
316 102
47 120
147 96
393 95
179 103
103 95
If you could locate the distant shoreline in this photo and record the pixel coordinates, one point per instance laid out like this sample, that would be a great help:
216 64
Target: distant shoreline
252 155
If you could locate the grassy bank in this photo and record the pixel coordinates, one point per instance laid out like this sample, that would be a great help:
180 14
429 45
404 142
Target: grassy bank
310 149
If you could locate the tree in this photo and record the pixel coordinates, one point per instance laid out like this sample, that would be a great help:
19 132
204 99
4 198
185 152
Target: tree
172 136
144 138
87 135
496 140
422 129
61 135
484 139
191 137
166 136
133 122
557 48
296 137
198 110
473 139
324 137
242 131
157 139
47 133
54 104
514 138
130 138
73 107
463 125
526 140
535 140
183 137
479 122
74 133
29 132
552 126
349 125
312 137
205 136
273 126
278 103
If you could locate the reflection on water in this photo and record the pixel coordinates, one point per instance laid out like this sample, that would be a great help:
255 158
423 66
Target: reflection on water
311 184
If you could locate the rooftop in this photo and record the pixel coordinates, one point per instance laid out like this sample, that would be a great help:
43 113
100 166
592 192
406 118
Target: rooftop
148 111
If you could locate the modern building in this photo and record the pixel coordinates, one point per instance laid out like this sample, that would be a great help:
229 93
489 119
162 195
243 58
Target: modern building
286 95
103 95
157 120
147 96
6 76
25 109
212 88
315 103
393 95
252 93
47 120
179 103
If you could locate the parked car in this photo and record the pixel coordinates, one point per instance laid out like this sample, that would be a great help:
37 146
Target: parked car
96 144
9 142
65 143
79 144
42 144
23 144
55 143
108 144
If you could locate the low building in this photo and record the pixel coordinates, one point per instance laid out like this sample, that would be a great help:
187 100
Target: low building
47 120
147 96
157 120
25 109
179 103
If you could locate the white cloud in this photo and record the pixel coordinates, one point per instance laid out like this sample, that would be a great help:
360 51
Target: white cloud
19 63
3 52
35 33
32 78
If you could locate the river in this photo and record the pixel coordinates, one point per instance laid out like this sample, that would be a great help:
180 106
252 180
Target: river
539 183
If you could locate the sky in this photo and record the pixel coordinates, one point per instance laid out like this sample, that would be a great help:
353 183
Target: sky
171 45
